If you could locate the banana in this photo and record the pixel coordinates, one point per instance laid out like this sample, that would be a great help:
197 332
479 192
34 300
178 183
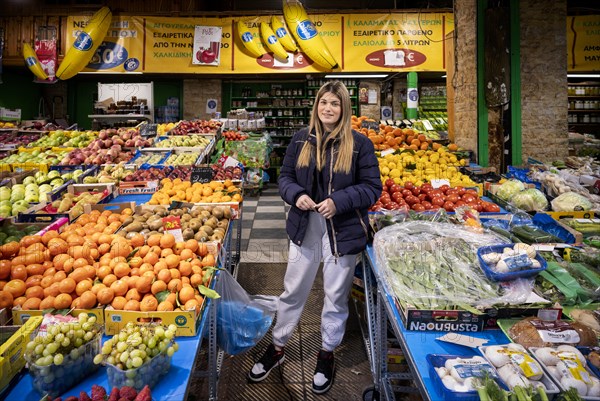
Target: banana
283 35
270 40
247 39
85 45
306 35
32 62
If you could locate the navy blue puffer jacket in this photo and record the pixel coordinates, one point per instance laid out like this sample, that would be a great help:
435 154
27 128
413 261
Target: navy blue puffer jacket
352 193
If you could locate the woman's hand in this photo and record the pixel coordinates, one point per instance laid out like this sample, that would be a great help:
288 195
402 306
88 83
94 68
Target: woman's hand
304 202
326 208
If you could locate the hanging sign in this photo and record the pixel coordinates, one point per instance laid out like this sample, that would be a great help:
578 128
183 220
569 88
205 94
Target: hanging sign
45 49
406 41
201 174
207 45
583 37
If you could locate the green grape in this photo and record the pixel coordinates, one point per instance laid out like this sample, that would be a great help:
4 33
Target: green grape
152 342
137 362
40 361
172 328
39 349
176 346
98 359
60 337
88 336
170 351
87 326
74 354
92 319
78 342
52 348
122 336
30 346
83 317
106 349
58 359
79 333
48 360
162 346
111 360
49 378
64 328
46 351
122 346
169 334
159 332
124 357
66 342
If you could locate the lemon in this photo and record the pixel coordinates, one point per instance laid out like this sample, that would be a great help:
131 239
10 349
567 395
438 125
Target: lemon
394 173
384 170
391 165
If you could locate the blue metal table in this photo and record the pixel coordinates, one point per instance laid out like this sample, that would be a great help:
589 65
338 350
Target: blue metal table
381 309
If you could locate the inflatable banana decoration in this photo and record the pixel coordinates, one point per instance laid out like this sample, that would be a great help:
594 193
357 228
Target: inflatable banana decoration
248 40
283 35
85 45
306 35
270 40
32 62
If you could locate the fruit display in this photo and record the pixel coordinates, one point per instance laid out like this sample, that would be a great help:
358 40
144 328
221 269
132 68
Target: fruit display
74 139
195 127
87 156
252 153
162 129
17 139
149 174
185 191
110 173
7 125
425 197
423 166
196 141
234 136
99 393
182 172
14 233
221 173
139 355
202 223
182 159
73 203
150 158
64 355
36 156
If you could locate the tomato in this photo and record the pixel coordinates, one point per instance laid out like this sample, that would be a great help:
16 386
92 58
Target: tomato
435 192
449 206
408 185
472 192
426 205
468 198
396 196
444 188
389 182
461 190
452 197
395 188
492 208
437 201
426 187
459 203
411 200
417 207
416 191
406 192
478 207
422 197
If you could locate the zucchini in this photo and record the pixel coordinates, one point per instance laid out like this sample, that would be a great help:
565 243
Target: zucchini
534 235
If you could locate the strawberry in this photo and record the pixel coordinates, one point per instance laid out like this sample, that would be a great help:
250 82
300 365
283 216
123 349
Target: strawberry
144 394
114 394
84 397
128 392
72 398
98 393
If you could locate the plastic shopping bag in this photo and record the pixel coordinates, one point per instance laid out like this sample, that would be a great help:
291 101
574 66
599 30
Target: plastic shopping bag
242 319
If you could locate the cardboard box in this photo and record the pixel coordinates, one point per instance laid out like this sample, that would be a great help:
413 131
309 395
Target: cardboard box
138 187
10 115
572 215
21 316
113 207
13 349
187 322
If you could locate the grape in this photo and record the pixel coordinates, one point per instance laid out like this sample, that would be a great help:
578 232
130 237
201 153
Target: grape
137 362
66 342
83 317
58 359
39 349
98 359
121 346
170 351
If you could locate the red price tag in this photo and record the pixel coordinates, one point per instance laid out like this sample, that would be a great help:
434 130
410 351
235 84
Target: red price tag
172 224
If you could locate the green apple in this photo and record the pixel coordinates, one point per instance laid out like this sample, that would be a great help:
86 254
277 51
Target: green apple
29 180
32 198
5 193
43 197
90 180
67 176
77 173
39 174
31 187
6 202
41 179
57 182
18 187
45 188
5 211
53 174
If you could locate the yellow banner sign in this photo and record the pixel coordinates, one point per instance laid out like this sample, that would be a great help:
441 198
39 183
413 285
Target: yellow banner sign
122 47
170 42
396 42
583 43
328 26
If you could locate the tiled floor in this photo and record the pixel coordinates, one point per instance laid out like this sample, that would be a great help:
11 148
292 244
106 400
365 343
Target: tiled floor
264 249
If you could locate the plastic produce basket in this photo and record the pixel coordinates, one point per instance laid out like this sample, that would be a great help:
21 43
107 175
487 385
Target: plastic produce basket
56 379
147 374
437 361
496 276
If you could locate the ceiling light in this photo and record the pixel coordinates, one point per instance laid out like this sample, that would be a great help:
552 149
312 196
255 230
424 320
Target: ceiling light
583 75
356 76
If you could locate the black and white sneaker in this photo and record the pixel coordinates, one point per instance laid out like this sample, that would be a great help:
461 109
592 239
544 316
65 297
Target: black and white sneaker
323 378
270 359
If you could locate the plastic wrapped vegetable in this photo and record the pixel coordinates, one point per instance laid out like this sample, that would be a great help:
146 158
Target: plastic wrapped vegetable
570 201
509 189
530 200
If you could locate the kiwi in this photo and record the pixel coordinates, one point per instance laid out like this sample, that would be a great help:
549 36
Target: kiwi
201 236
188 233
212 222
218 212
185 217
131 234
195 224
155 224
227 213
176 212
196 212
205 213
223 224
161 230
207 229
161 211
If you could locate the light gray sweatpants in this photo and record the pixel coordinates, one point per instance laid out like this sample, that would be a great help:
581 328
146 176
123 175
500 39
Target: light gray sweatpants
303 264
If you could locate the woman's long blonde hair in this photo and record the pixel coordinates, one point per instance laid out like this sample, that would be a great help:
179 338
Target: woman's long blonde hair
342 133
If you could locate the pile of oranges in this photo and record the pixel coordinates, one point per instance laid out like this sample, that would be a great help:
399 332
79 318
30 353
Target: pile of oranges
88 265
184 191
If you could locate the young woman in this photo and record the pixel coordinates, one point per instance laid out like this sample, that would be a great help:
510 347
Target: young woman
330 176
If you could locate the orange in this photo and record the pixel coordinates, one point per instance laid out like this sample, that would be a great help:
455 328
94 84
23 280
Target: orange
191 304
105 296
9 249
119 287
196 279
6 299
158 286
118 303
133 294
144 284
83 286
185 268
145 267
174 285
78 275
5 266
143 251
175 273
18 272
136 261
208 260
103 249
87 300
154 240
16 287
35 280
192 245
165 306
151 258
166 252
202 249
121 269
185 294
52 290
67 285
132 305
47 303
148 304
35 292
57 246
186 254
167 241
160 265
137 240
19 301
172 261
62 301
31 304
34 269
103 271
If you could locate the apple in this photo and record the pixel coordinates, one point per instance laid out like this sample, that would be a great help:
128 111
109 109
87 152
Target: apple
29 180
208 56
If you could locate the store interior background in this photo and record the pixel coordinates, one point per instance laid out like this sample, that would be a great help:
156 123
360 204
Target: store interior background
542 102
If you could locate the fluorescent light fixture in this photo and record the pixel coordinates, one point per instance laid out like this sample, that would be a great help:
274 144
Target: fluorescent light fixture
111 72
356 76
444 76
583 75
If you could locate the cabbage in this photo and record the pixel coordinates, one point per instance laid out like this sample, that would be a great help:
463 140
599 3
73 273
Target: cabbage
509 188
570 201
530 200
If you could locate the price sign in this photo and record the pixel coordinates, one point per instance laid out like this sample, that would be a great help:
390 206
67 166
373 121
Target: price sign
201 174
149 129
172 225
374 125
